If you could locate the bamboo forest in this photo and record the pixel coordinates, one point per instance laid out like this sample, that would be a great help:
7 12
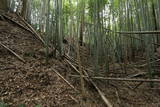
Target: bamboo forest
79 53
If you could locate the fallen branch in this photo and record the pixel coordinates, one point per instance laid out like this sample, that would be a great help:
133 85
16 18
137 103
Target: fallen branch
120 79
20 58
64 79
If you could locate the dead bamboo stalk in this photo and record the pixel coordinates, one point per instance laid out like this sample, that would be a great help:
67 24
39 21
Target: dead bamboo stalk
20 58
76 63
72 65
139 32
106 101
6 17
81 72
65 80
129 32
31 28
120 79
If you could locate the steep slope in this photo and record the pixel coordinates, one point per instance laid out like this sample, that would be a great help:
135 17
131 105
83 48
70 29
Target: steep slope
33 82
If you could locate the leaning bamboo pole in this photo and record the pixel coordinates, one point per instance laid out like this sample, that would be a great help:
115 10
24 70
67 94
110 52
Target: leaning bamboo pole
106 101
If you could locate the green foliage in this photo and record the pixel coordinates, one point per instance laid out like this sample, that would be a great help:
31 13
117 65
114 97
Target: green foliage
2 104
38 105
68 9
91 6
21 105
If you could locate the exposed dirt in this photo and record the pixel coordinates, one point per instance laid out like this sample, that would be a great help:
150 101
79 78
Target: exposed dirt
35 83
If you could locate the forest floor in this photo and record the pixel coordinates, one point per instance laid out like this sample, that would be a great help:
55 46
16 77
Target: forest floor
34 82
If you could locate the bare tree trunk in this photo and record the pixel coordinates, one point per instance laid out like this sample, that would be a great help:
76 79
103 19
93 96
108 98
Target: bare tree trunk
82 24
24 9
3 5
155 21
81 33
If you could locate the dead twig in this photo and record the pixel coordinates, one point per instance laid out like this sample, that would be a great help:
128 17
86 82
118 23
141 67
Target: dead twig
74 99
20 58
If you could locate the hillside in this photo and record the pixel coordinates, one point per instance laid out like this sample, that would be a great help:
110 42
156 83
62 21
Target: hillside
27 80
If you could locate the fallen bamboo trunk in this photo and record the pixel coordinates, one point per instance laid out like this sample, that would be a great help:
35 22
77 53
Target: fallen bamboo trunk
130 32
138 32
120 79
20 58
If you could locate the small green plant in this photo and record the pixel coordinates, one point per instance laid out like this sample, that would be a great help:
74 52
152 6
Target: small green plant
2 104
21 105
38 105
